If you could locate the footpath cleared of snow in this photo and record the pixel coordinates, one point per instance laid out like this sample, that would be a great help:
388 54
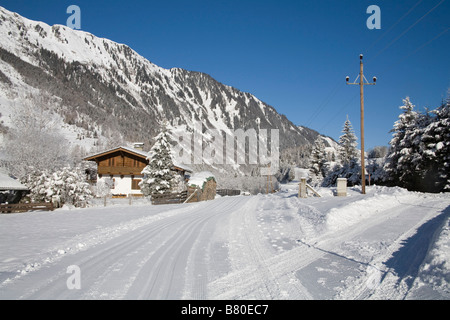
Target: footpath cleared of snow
388 244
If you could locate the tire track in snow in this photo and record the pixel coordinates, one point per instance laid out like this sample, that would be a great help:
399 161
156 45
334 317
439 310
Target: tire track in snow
96 261
110 265
376 228
259 273
391 286
264 275
85 241
156 277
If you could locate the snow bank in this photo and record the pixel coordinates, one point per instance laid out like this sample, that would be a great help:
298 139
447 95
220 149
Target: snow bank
435 271
378 199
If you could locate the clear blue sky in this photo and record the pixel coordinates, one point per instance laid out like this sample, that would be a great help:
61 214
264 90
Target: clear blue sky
294 55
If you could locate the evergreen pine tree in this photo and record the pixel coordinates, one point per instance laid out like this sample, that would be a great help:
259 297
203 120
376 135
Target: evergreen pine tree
435 143
317 161
443 145
158 175
403 158
348 151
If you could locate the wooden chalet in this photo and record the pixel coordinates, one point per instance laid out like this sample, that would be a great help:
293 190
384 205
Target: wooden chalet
122 167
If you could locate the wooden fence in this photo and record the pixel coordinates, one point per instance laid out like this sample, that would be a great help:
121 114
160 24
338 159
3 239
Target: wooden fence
174 198
25 207
169 198
228 192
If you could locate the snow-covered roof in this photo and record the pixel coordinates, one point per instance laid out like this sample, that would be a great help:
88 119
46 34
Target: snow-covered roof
8 183
141 152
200 178
131 150
182 166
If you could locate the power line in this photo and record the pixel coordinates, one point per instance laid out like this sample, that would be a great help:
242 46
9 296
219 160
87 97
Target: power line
393 26
334 91
402 58
323 105
427 43
396 62
409 28
343 108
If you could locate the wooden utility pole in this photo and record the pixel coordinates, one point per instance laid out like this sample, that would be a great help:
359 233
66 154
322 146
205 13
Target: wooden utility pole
361 84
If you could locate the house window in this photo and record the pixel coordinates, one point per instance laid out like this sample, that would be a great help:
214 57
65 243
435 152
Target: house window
135 184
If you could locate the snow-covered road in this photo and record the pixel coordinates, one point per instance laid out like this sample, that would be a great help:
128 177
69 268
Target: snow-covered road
388 244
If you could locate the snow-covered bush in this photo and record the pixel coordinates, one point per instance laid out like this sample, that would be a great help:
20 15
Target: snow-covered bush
178 184
250 184
65 186
103 187
285 173
350 171
375 167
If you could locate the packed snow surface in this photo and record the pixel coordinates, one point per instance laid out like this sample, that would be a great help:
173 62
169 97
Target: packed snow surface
387 244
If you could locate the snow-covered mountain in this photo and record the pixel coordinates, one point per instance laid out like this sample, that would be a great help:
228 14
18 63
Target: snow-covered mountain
99 88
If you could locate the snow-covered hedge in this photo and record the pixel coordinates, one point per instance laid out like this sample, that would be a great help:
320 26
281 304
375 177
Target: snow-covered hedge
65 186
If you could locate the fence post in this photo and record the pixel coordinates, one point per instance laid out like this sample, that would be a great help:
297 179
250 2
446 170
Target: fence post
302 188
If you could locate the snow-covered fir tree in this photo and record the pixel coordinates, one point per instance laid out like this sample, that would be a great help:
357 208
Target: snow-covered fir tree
435 150
400 167
317 160
158 175
348 151
348 165
418 157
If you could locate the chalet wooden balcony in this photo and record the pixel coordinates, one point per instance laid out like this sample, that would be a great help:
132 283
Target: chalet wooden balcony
119 171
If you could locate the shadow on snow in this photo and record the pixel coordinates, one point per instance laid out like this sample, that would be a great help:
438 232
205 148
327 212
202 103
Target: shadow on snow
407 260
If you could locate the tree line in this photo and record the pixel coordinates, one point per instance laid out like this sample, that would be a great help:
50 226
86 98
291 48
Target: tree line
418 156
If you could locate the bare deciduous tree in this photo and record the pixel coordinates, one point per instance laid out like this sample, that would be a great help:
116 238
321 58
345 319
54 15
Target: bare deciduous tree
33 142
